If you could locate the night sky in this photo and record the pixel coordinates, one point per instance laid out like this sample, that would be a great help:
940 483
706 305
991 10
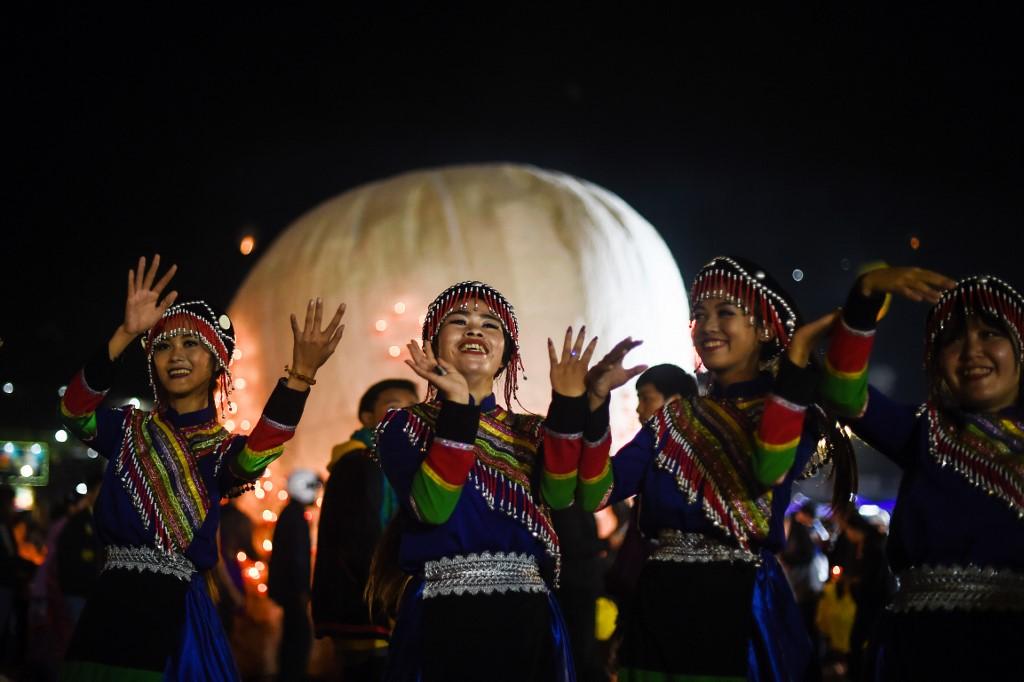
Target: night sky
805 139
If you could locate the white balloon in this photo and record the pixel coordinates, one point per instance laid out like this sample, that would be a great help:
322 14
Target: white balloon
563 251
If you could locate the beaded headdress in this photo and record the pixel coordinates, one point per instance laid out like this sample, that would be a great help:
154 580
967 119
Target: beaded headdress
751 289
457 297
215 332
973 295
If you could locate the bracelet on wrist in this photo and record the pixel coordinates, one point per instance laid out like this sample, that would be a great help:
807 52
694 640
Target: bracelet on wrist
301 377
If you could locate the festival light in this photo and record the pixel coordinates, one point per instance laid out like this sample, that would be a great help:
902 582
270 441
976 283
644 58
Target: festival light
240 383
394 351
247 244
261 588
268 546
241 556
399 308
282 495
8 388
81 489
381 325
26 470
61 436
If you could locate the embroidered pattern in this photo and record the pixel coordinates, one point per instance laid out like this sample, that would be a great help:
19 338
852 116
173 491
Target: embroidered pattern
707 445
697 548
483 573
147 559
506 456
988 453
958 588
158 467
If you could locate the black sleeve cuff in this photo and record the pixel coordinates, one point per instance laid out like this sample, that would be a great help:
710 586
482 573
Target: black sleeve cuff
566 415
99 370
861 312
795 384
597 422
457 422
285 404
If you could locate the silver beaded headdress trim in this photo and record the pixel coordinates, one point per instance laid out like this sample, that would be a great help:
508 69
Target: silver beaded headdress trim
457 297
978 293
724 278
197 318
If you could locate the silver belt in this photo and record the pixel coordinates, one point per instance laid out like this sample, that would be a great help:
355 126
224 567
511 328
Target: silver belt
148 559
697 548
958 588
483 573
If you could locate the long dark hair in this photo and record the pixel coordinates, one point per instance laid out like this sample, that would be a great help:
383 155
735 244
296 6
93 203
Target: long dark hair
387 581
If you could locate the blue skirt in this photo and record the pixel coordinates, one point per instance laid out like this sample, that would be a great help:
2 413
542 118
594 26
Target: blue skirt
454 638
149 626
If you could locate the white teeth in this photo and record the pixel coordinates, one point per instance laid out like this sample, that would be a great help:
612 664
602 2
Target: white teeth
472 347
179 372
976 372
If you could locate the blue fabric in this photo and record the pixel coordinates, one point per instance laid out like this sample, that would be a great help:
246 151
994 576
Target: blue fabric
473 526
404 650
203 652
780 648
940 517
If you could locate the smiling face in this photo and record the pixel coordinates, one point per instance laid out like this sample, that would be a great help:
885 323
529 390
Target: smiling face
726 340
184 368
979 367
472 339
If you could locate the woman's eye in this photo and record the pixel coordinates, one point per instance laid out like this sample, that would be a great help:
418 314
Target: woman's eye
491 325
191 342
726 312
163 345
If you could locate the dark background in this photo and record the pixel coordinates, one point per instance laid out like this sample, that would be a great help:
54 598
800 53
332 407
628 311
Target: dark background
812 139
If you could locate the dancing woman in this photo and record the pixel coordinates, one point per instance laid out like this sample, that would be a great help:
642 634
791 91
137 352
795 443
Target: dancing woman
150 616
957 531
713 475
475 481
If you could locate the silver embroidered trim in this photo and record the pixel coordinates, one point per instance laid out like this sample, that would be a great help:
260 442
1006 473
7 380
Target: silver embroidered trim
563 436
697 548
958 588
594 443
454 444
148 559
483 573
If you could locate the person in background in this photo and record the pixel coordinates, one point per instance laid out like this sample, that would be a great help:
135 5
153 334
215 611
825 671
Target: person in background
288 584
236 532
659 385
358 503
801 558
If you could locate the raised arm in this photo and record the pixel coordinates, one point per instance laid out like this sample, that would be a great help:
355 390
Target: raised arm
563 428
80 404
596 473
884 424
311 349
782 422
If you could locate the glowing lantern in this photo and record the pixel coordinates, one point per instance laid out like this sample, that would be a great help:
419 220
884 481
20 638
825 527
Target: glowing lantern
563 251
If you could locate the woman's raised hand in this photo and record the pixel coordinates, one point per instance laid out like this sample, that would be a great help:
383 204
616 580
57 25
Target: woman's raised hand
916 284
439 373
313 345
569 374
144 307
608 374
807 337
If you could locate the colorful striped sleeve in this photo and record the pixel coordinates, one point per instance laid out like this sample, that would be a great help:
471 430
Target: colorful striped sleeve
437 484
595 484
276 427
782 422
845 382
563 437
80 404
